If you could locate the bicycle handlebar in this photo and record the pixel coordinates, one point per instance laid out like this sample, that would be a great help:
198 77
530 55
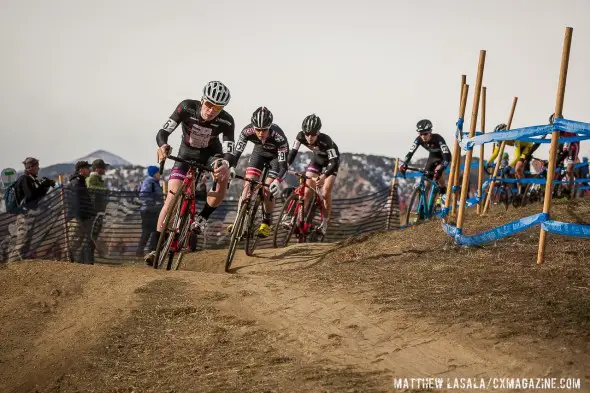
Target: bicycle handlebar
251 181
420 170
302 175
191 163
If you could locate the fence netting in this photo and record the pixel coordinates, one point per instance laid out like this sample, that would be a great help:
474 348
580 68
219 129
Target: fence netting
51 231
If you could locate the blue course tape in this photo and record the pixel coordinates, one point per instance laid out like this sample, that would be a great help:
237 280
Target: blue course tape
526 132
494 234
567 229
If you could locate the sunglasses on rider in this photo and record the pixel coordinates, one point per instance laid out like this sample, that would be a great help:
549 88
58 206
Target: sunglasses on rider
261 129
210 105
311 133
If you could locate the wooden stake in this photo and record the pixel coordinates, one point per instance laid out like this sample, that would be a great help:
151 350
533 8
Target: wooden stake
457 161
499 157
565 58
456 148
481 148
469 156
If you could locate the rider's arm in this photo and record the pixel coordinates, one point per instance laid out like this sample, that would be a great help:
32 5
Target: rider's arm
413 148
494 154
228 140
282 152
170 125
333 159
516 156
239 147
446 153
294 148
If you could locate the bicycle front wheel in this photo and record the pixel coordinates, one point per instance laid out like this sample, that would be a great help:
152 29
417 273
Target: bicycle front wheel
256 216
415 212
236 235
285 225
169 232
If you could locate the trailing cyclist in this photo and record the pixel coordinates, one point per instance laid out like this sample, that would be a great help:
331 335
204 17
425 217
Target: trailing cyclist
270 146
521 159
568 154
324 162
439 154
202 123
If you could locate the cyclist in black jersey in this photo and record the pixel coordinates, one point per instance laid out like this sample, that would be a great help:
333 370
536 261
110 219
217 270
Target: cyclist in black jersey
202 123
439 157
270 146
323 165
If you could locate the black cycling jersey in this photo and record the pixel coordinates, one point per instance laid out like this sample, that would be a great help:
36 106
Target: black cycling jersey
436 146
325 152
275 144
198 133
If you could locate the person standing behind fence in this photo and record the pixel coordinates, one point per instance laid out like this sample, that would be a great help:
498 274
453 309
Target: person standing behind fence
28 191
82 213
151 196
99 193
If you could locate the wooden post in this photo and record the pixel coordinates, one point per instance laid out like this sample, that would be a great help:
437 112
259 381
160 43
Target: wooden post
565 58
499 158
481 148
469 155
392 194
456 163
65 216
456 148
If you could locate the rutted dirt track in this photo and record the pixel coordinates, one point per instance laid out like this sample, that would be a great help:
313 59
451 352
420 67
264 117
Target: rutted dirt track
324 318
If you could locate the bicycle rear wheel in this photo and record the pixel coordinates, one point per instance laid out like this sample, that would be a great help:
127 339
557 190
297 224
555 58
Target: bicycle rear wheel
313 220
236 235
285 225
169 232
254 222
415 212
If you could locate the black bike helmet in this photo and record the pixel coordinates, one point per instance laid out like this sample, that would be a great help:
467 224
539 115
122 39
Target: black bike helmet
424 125
311 125
262 118
501 127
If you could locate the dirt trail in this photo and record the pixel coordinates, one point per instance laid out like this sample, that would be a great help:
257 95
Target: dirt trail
265 327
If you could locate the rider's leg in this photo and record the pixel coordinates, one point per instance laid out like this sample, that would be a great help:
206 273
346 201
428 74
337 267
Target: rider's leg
309 190
327 195
215 196
519 174
571 160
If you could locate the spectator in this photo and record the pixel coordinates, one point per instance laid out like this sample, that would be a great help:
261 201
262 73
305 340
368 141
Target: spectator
82 215
151 196
29 189
584 174
99 193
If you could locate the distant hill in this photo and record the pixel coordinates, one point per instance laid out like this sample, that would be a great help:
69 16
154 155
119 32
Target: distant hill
53 171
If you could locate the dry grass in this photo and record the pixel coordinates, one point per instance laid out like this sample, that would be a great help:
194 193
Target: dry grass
421 271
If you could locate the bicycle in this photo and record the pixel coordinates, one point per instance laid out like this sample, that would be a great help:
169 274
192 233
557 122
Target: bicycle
421 206
291 218
247 212
503 193
534 192
181 214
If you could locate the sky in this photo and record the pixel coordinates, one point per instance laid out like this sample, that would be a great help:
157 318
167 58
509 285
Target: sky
78 76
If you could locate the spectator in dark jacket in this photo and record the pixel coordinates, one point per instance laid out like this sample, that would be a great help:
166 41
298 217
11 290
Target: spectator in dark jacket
29 188
82 212
151 196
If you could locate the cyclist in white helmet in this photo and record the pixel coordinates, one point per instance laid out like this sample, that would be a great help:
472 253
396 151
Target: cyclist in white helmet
202 123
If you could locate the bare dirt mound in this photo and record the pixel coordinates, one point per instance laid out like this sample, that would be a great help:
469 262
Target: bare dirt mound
343 317
294 257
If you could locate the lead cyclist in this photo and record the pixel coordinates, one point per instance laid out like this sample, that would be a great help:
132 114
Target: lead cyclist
202 123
